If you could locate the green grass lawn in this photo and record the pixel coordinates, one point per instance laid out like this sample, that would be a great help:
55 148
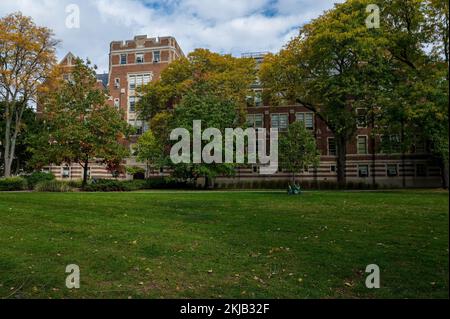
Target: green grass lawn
224 245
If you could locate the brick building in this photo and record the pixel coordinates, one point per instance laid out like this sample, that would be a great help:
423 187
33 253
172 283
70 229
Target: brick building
139 61
134 63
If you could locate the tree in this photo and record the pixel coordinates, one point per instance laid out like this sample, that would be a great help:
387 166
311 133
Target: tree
224 75
80 126
298 149
203 86
149 151
324 68
415 103
214 112
27 58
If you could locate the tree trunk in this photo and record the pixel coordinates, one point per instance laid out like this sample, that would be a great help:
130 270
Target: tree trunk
206 185
444 173
7 162
403 154
10 141
85 171
341 160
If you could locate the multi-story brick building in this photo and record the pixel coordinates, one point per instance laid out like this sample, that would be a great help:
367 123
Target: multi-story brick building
139 61
134 63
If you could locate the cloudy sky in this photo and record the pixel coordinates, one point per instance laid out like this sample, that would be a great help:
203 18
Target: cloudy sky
225 26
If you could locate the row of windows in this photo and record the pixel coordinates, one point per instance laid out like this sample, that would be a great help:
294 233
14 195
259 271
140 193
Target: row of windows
281 120
362 146
140 58
135 80
392 170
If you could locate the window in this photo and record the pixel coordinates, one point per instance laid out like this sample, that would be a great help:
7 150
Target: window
117 83
363 170
391 170
332 150
280 121
307 118
65 172
361 118
116 103
362 144
123 59
139 58
258 98
421 170
333 168
132 101
156 56
255 120
139 80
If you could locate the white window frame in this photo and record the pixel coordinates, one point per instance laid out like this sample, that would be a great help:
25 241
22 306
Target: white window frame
328 146
251 119
396 168
126 58
154 56
117 83
279 114
368 170
62 171
367 144
117 103
140 58
129 104
304 114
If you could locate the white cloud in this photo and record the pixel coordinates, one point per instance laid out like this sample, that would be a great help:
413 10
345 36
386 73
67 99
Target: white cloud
226 26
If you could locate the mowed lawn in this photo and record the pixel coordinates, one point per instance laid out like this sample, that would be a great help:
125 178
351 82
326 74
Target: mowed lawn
224 244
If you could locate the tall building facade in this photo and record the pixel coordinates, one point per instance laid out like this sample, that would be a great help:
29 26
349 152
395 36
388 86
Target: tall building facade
134 63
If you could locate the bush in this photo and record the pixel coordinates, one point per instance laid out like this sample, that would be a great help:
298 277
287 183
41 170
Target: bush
38 177
13 184
111 185
75 183
52 186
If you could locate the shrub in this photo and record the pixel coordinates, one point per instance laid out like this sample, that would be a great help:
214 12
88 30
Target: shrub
52 186
38 177
13 184
75 183
111 185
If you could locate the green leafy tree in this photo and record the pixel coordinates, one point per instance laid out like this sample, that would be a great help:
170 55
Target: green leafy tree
298 149
324 68
214 112
80 126
150 151
225 76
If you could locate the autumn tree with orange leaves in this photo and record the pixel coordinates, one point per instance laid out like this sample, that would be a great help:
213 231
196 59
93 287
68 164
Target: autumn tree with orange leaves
27 59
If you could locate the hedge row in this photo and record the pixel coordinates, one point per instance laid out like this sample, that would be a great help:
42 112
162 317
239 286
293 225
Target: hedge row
107 185
13 184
